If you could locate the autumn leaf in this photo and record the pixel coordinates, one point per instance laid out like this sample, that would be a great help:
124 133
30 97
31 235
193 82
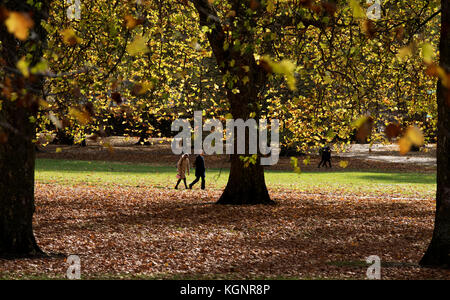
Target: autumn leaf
364 126
412 137
19 24
393 130
285 67
81 116
306 161
356 8
138 46
131 22
415 135
405 52
270 6
343 164
428 53
23 67
69 37
404 145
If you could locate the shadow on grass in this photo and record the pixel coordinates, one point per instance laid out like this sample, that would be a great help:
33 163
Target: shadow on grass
401 178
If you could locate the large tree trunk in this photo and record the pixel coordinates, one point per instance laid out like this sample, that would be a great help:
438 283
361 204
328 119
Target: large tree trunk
246 184
17 151
17 185
438 253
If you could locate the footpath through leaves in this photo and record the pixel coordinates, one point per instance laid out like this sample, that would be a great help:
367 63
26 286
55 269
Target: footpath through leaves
129 232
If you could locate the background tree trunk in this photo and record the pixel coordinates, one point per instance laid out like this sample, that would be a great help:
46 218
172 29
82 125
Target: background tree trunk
17 154
438 253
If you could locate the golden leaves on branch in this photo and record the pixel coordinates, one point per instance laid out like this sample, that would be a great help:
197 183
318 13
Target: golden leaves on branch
271 6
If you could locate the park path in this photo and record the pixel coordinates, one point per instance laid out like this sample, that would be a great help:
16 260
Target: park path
390 154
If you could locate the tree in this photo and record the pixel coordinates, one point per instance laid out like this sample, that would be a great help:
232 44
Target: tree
438 252
17 126
246 183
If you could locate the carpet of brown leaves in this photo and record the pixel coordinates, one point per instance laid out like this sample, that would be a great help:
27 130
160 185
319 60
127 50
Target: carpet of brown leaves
121 232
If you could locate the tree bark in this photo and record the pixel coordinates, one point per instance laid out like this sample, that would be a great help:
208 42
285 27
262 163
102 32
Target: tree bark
246 185
17 153
438 253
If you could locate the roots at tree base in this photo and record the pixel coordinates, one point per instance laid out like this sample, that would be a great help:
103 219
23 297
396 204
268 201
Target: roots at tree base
246 184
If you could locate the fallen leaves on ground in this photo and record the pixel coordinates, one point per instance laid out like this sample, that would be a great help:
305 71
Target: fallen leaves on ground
129 232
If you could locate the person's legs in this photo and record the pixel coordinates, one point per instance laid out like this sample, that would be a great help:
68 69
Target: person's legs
185 184
329 162
179 180
203 182
194 182
320 164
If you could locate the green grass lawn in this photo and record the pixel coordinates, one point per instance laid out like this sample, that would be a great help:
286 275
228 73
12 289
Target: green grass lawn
69 172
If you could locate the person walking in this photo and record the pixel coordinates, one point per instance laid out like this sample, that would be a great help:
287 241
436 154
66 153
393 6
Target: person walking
183 166
325 154
200 170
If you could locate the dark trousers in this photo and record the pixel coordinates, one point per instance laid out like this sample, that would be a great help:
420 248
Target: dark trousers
197 179
179 180
324 162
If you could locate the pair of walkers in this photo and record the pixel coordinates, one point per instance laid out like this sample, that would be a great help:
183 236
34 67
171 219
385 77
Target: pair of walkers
183 166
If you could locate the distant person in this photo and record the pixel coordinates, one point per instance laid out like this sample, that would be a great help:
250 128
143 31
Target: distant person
325 154
183 166
199 165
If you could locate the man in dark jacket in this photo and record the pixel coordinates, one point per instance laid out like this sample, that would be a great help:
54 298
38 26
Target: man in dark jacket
199 170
